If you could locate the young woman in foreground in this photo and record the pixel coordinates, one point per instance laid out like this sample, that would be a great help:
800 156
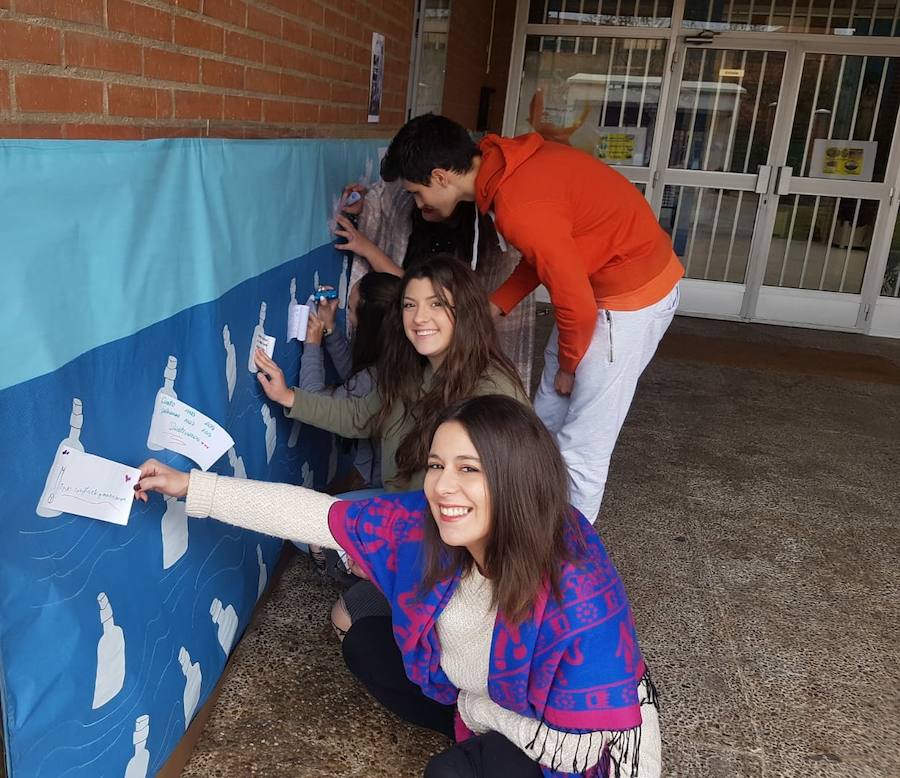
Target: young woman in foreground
510 630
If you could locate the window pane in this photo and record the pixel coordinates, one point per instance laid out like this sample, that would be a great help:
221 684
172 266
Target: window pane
599 94
616 13
890 287
852 100
826 17
821 243
711 230
726 110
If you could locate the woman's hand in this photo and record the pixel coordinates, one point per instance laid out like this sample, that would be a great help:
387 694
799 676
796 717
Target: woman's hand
326 310
272 379
157 477
355 208
314 331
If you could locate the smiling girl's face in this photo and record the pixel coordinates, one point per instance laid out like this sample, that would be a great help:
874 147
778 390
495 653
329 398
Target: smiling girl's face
457 490
427 321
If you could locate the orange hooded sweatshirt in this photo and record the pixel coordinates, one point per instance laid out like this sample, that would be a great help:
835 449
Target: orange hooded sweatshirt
584 231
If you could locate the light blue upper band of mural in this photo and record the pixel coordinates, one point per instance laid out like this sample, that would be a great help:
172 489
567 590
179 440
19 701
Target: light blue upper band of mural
79 267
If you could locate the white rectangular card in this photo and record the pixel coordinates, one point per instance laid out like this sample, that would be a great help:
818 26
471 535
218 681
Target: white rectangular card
91 486
266 343
184 430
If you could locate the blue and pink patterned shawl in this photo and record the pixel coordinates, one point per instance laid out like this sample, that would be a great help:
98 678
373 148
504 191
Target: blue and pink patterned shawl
574 666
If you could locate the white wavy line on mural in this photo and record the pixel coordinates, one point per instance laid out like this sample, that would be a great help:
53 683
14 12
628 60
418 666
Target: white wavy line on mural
55 555
57 526
172 730
87 578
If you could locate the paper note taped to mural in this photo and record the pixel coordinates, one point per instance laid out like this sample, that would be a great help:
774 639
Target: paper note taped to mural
88 485
184 430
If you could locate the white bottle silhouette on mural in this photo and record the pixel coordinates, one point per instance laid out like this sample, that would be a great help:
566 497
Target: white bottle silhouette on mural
258 331
174 529
138 764
227 621
316 283
342 286
306 476
237 463
167 389
110 656
76 419
271 431
263 575
192 680
230 361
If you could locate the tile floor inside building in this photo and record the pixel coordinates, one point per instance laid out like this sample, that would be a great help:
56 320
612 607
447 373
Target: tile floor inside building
752 510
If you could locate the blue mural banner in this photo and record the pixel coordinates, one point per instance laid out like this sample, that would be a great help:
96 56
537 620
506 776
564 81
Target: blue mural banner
133 270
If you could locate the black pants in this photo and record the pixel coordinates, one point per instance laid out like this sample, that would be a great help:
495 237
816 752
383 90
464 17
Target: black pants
374 658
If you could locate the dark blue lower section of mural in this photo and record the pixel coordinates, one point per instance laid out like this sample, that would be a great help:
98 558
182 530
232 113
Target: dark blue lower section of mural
112 637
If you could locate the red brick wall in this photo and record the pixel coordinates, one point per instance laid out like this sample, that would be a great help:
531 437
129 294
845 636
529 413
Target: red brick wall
468 69
220 68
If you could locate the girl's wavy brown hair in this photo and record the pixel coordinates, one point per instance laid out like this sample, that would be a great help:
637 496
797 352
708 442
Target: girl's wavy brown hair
474 349
528 491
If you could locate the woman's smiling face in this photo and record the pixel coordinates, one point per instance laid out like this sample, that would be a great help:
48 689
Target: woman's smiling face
427 321
457 490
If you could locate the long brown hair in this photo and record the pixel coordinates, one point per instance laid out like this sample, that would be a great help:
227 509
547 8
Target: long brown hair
474 348
528 493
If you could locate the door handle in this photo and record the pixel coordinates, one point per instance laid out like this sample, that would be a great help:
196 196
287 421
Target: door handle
785 173
763 176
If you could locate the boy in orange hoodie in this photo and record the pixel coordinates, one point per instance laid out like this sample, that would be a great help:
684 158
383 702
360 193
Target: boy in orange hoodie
591 239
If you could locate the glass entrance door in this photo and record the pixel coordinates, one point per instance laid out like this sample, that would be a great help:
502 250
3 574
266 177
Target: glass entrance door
712 194
775 188
829 191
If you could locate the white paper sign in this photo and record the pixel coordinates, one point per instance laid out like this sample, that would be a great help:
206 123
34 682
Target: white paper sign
88 485
298 318
265 343
184 430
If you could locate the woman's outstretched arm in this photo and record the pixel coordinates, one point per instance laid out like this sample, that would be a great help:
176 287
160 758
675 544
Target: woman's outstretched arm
282 510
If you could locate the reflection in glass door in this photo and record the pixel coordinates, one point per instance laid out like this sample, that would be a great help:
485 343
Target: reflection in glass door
598 94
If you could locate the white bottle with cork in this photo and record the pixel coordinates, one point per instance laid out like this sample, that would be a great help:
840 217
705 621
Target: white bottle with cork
226 620
193 679
166 390
174 528
138 764
258 332
76 420
110 656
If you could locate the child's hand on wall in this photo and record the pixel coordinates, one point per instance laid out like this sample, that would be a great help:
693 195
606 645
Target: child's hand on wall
272 379
157 477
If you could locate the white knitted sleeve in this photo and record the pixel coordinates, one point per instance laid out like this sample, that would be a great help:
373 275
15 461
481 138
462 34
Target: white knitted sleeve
282 510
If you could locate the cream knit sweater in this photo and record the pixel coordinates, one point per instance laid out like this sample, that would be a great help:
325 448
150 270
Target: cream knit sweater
465 627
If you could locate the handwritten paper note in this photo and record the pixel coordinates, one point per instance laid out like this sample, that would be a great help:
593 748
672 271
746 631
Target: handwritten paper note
91 486
264 342
298 318
184 430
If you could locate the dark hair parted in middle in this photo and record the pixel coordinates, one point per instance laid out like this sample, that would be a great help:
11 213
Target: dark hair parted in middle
474 349
425 143
528 494
378 293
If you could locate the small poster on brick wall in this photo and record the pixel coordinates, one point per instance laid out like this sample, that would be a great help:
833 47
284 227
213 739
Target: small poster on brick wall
376 82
